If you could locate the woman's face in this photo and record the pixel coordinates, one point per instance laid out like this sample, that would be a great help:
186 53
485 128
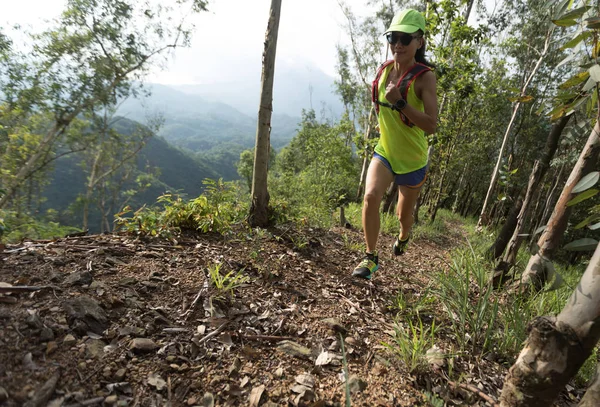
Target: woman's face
404 46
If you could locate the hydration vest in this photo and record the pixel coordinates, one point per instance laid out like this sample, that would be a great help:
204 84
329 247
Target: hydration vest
403 83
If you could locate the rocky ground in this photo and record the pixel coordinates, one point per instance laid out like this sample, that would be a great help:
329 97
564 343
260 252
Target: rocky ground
114 320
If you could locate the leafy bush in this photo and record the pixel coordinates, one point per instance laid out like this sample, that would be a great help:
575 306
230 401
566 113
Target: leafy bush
16 227
214 211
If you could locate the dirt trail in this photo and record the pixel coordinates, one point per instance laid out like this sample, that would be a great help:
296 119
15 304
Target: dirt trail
125 322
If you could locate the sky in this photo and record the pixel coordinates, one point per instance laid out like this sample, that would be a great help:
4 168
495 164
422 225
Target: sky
228 40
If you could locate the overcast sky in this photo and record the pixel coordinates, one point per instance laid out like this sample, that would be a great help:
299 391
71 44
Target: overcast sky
229 38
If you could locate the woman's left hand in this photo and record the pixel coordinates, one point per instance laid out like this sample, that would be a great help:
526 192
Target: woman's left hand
392 93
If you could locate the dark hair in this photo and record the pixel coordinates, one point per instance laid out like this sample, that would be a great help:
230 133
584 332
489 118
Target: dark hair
420 55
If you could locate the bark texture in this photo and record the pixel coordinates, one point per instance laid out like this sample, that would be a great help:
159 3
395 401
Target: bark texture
556 347
536 272
259 210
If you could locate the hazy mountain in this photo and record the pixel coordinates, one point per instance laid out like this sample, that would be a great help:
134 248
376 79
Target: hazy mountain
214 133
297 86
199 124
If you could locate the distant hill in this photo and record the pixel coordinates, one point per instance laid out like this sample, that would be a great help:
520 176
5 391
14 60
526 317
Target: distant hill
214 132
296 86
177 172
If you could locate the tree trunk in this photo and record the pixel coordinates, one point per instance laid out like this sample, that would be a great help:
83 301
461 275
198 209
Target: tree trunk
482 217
557 347
535 180
366 159
391 197
535 274
543 219
259 210
495 251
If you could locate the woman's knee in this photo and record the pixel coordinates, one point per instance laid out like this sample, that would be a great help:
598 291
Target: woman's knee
372 198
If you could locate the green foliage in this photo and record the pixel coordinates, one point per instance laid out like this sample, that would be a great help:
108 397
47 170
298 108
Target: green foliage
15 227
411 344
317 171
214 211
90 58
467 296
346 375
228 283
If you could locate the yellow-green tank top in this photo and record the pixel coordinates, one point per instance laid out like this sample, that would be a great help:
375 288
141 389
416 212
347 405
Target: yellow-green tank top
404 147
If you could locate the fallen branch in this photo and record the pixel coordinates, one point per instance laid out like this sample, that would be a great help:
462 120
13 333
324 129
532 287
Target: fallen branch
263 337
475 390
19 289
213 333
42 396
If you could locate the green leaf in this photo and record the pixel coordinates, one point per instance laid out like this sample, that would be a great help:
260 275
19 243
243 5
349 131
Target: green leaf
582 197
582 245
575 80
574 14
594 226
592 23
565 22
576 40
586 182
540 229
586 221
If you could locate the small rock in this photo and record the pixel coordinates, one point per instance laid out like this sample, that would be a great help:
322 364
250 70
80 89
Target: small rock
110 400
33 320
142 345
120 375
279 372
69 340
79 278
294 349
3 395
94 348
208 400
46 335
356 384
85 314
51 347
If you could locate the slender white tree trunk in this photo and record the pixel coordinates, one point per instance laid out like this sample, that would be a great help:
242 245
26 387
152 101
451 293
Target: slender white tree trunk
482 217
259 210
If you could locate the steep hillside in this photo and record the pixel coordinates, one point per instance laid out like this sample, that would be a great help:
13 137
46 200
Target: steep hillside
177 172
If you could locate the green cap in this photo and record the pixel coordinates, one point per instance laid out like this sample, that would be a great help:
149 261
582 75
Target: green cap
407 21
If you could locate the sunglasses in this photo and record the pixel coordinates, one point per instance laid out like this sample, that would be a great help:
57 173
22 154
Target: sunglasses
394 37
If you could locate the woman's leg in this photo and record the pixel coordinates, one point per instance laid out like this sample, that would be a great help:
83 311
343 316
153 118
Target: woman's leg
407 198
379 177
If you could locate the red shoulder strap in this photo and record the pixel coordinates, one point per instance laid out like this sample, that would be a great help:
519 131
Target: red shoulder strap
404 84
375 85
